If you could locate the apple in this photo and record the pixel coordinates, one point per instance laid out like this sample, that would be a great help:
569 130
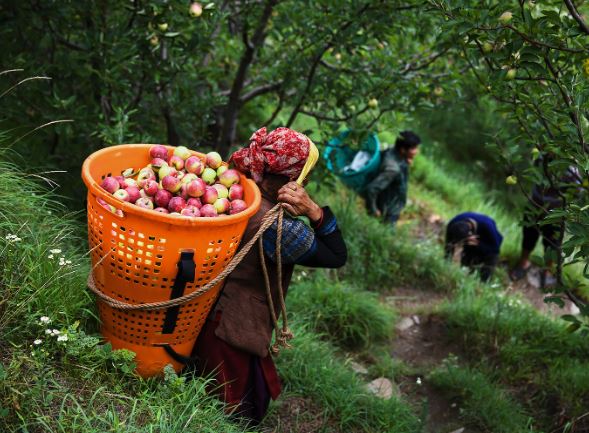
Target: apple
229 177
130 182
121 181
142 193
214 160
157 163
487 47
511 73
158 151
210 196
144 175
222 170
221 205
208 210
192 201
105 205
188 177
195 10
237 206
180 175
163 27
166 170
128 172
110 184
121 194
505 17
196 187
222 190
209 175
150 187
511 180
373 103
190 211
162 198
171 183
154 40
194 165
176 162
182 152
134 193
535 153
176 204
236 192
144 202
161 210
183 191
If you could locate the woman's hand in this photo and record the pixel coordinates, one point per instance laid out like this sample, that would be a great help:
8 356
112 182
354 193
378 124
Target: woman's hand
297 202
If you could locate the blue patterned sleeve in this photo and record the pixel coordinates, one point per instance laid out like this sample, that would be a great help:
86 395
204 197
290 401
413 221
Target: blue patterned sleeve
298 240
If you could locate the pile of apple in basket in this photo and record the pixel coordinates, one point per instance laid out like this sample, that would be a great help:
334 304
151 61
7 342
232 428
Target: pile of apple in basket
181 184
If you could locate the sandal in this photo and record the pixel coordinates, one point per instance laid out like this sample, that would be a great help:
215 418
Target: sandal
518 273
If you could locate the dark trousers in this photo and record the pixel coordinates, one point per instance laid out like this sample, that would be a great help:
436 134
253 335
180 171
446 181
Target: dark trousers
532 231
477 261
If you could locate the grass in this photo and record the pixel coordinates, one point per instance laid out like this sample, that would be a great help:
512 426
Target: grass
482 403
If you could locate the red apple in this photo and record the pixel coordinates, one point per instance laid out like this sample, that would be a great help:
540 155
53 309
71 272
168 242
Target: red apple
196 188
190 211
162 198
188 177
182 152
157 163
229 177
208 210
221 205
192 201
166 170
237 206
134 193
161 210
222 191
150 187
110 184
195 10
158 151
121 194
144 175
210 196
121 181
214 160
236 192
130 182
194 165
176 204
176 162
144 202
105 205
171 184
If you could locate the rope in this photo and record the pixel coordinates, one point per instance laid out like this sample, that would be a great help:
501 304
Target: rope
271 216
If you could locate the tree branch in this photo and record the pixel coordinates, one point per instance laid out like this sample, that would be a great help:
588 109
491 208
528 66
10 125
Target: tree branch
578 18
260 90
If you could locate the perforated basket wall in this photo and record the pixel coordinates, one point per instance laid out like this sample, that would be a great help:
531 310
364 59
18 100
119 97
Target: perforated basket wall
135 253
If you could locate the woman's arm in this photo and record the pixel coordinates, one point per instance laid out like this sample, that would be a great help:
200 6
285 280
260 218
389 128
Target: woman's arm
321 246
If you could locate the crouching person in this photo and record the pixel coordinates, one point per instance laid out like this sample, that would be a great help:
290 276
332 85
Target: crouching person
474 240
234 344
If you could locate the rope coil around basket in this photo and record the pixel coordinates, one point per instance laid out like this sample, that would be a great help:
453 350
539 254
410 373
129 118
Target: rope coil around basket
282 336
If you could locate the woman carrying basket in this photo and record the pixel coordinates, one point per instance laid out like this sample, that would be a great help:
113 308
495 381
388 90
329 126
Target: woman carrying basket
235 342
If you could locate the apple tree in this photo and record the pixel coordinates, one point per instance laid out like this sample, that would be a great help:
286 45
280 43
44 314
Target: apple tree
532 58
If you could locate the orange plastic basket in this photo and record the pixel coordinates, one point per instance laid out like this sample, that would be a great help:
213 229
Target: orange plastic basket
135 254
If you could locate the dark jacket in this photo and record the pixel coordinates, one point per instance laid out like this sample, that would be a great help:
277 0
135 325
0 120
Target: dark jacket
387 192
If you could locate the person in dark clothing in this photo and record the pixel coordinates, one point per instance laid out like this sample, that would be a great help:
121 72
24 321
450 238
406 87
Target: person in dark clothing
474 239
386 194
543 199
234 345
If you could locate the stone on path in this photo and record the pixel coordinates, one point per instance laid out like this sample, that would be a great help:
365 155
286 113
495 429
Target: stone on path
405 324
383 388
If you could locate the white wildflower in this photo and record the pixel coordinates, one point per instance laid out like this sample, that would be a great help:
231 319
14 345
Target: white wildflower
12 238
68 262
55 332
50 256
55 251
37 341
45 319
62 338
418 381
48 332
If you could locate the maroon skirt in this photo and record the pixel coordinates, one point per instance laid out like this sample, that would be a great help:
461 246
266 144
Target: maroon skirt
244 381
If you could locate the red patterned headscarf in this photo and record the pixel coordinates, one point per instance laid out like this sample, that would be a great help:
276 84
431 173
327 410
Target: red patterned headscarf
282 151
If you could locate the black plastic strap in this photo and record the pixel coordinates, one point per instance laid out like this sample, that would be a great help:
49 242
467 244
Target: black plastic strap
186 272
186 360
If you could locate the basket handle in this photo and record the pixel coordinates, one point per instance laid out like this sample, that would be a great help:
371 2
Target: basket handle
186 272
